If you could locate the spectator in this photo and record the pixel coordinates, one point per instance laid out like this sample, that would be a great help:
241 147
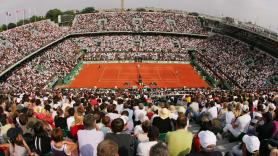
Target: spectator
208 143
127 147
106 128
60 120
42 140
144 147
61 147
18 146
159 149
175 140
70 119
89 138
163 122
241 124
107 148
143 136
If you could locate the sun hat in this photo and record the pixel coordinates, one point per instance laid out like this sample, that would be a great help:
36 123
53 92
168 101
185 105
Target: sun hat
164 113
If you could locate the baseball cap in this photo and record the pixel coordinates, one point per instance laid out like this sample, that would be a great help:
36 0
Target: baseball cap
252 143
245 108
207 138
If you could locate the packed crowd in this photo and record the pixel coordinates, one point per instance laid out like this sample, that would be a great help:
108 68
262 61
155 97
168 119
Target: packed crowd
58 60
52 63
118 56
137 43
238 62
151 122
137 21
130 47
221 57
18 42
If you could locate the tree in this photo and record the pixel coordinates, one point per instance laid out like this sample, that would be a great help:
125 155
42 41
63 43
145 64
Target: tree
4 27
141 9
88 10
69 12
53 14
21 22
36 18
11 25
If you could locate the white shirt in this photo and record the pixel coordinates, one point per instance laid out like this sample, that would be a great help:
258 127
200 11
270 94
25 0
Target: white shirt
173 116
130 113
138 113
229 117
212 113
88 141
120 108
113 116
243 123
70 121
194 106
138 130
144 148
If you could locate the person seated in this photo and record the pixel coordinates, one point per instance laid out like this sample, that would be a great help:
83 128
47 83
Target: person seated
208 143
90 137
127 143
249 147
107 148
228 117
42 139
240 126
144 147
159 149
61 147
17 144
176 140
163 121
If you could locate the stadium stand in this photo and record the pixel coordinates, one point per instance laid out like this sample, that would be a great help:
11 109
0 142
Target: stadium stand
21 41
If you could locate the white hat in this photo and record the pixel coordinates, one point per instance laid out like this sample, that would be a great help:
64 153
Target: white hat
181 109
245 108
207 138
252 143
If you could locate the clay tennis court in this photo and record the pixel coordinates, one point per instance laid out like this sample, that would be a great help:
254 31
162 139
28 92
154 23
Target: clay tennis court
125 75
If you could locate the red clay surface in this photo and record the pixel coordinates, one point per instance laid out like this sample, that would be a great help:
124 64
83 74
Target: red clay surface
111 75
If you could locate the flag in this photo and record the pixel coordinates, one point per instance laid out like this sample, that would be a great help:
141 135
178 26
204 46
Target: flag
8 14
